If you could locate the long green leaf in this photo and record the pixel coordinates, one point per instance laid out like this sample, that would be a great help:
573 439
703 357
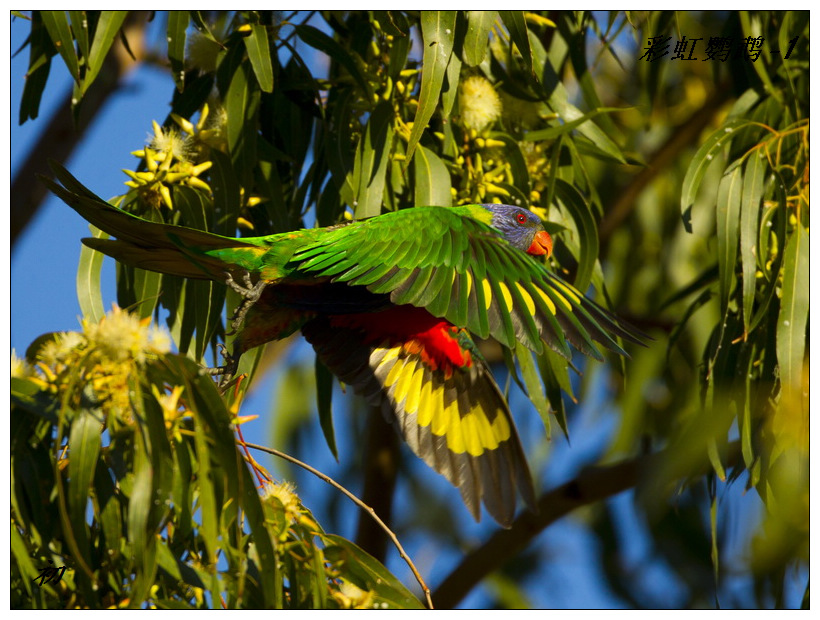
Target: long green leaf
177 24
108 26
79 27
553 132
88 280
57 25
320 41
324 392
701 161
479 24
242 108
438 31
601 143
791 322
41 50
84 442
579 210
432 180
749 218
258 48
372 156
577 49
728 221
517 25
535 389
515 157
368 573
450 88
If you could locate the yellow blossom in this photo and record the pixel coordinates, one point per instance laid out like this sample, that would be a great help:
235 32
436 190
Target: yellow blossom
351 596
170 142
19 367
285 492
479 104
121 336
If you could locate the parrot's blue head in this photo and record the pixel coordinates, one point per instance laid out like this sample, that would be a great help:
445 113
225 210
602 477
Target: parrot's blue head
521 227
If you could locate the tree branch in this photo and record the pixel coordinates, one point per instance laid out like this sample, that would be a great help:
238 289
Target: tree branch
590 486
683 135
380 466
61 135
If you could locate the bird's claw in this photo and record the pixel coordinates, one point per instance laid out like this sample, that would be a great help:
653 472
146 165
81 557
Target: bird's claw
250 293
228 370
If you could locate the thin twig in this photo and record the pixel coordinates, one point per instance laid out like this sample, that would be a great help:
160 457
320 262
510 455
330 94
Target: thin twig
356 501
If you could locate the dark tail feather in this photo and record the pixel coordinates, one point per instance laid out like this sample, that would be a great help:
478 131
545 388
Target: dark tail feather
165 248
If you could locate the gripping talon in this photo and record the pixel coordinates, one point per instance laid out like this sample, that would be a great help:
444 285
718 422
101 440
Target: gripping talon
250 293
228 370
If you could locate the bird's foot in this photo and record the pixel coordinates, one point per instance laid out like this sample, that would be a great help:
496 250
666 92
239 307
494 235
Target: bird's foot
250 295
228 370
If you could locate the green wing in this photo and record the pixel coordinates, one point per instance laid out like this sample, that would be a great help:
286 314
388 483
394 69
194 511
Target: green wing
461 269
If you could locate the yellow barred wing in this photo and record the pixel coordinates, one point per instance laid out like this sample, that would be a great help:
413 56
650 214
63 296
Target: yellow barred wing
455 419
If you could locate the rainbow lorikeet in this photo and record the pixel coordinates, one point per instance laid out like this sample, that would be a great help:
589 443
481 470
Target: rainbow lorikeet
390 304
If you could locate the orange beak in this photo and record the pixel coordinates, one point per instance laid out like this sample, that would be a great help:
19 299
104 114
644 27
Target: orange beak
541 244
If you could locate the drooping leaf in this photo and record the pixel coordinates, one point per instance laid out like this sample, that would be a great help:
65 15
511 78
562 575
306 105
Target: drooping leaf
242 109
728 222
701 161
438 33
324 392
88 280
322 42
369 574
793 317
587 243
259 54
108 25
177 24
432 180
535 389
372 156
58 29
753 177
519 33
479 24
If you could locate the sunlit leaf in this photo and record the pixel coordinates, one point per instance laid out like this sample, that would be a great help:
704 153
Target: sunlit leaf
793 317
432 180
60 32
108 26
749 216
728 222
517 25
324 393
369 574
259 54
479 24
702 160
371 162
88 280
438 33
177 24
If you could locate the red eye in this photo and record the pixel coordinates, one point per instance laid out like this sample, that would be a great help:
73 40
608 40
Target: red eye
522 219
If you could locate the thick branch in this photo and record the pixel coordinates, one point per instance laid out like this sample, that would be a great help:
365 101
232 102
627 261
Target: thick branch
61 136
380 466
592 485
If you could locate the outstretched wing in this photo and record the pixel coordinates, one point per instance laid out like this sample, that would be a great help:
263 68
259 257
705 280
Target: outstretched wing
453 417
461 269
